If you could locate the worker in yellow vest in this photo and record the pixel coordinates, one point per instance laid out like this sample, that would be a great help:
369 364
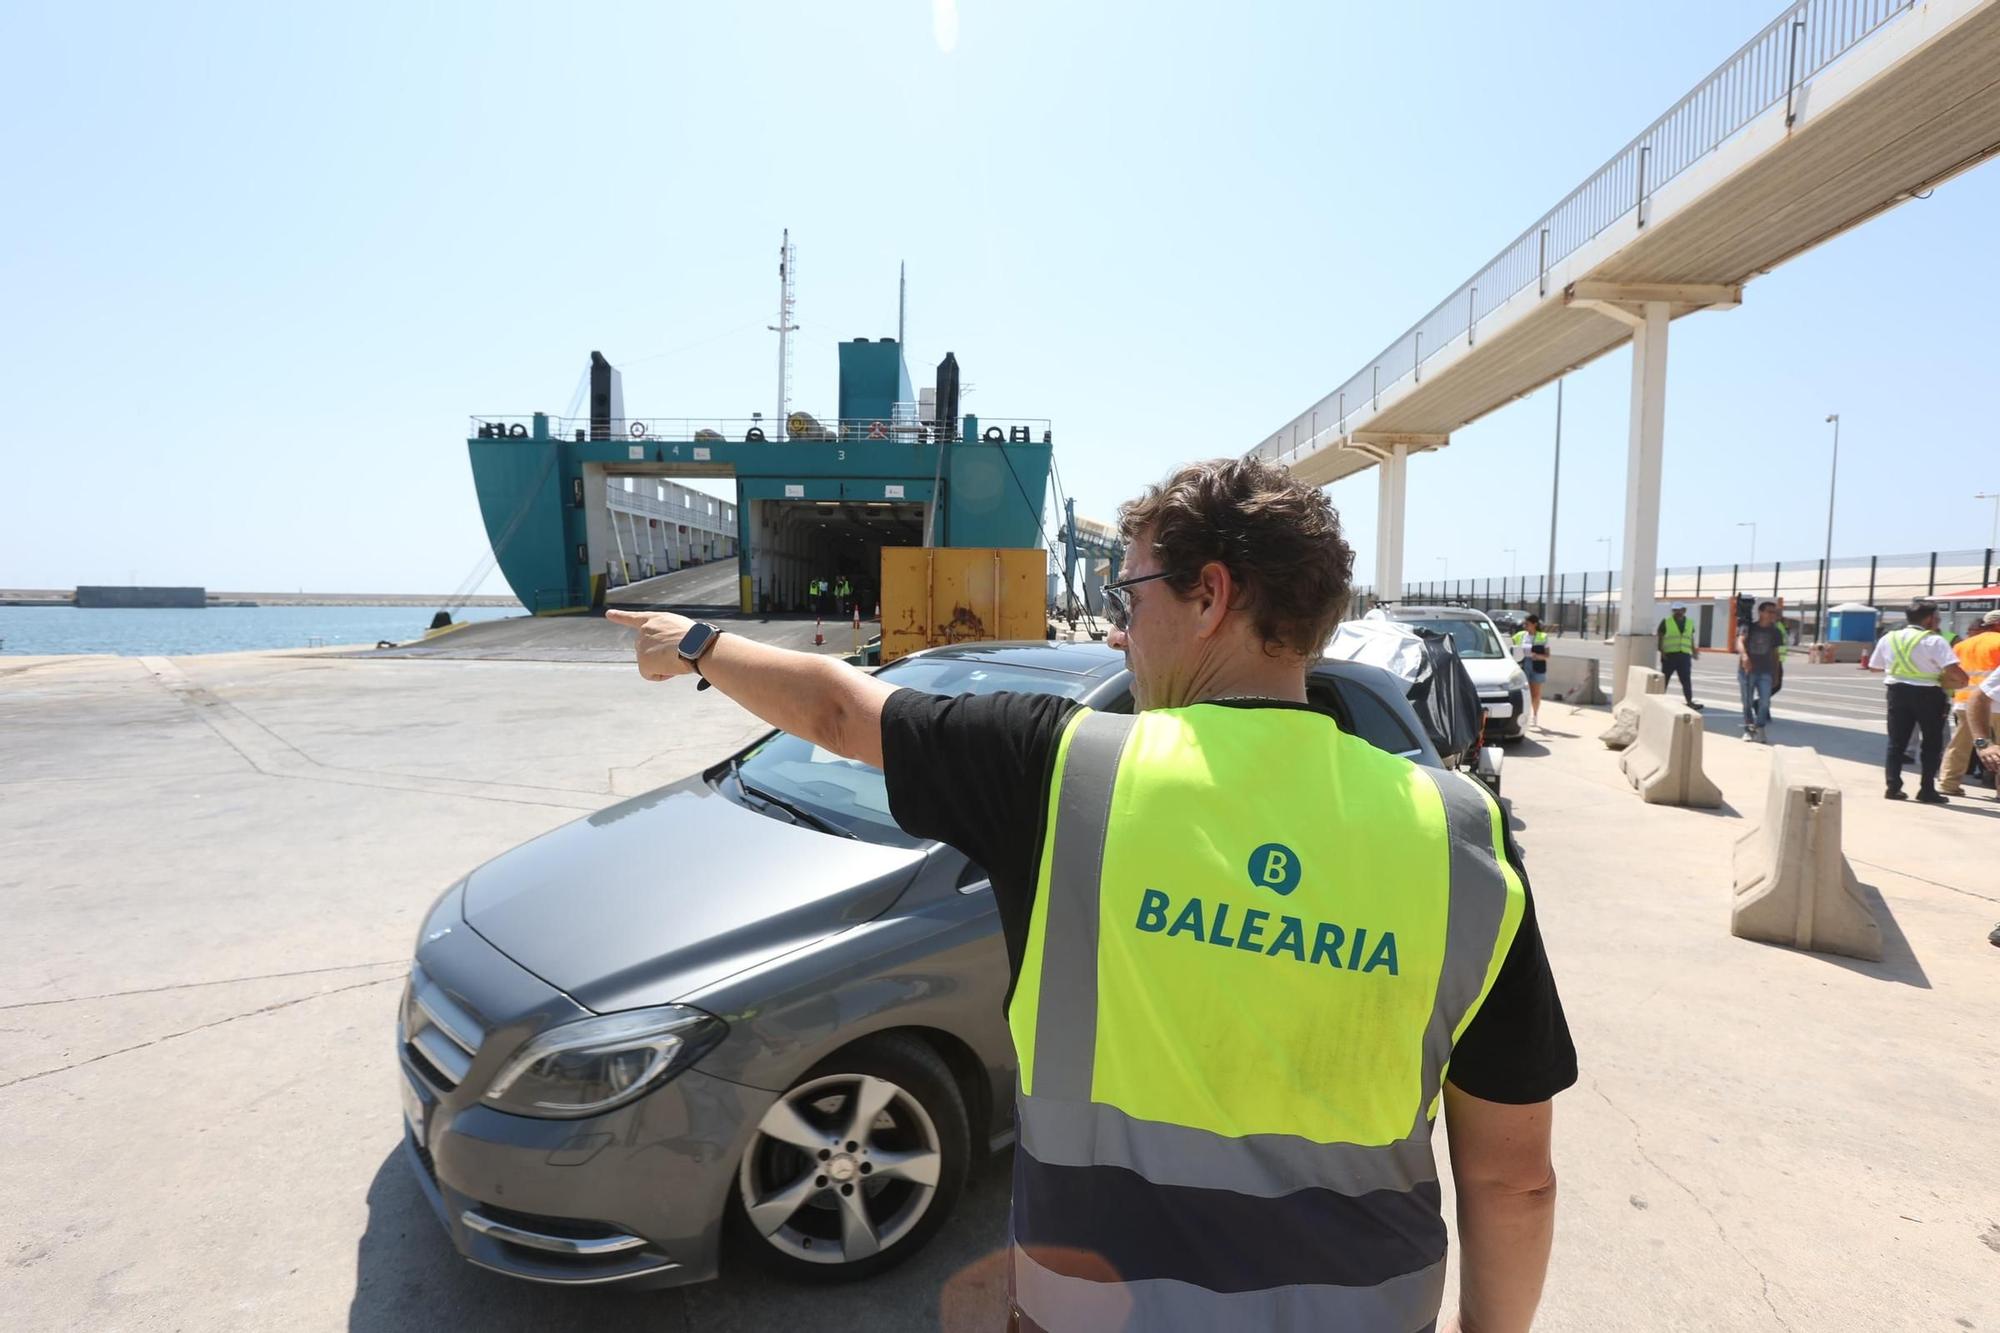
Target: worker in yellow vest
1979 654
1922 670
1252 954
1676 642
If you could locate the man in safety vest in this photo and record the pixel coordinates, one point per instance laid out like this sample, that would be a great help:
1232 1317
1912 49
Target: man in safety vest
1246 947
1979 654
1676 639
1922 670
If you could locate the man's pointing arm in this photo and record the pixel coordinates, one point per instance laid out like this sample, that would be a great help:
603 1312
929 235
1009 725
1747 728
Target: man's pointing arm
819 698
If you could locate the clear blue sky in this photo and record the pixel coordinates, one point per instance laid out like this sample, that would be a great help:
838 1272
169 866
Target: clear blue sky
260 262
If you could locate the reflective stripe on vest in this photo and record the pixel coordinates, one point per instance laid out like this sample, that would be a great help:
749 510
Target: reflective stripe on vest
1979 654
1180 1163
1902 647
1676 640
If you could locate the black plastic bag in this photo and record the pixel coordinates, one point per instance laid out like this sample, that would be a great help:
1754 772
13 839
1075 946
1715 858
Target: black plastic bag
1446 700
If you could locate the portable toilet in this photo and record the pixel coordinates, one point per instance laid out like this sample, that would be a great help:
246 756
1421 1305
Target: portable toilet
1852 622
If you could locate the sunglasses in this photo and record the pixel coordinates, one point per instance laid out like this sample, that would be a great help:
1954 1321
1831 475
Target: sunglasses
1118 602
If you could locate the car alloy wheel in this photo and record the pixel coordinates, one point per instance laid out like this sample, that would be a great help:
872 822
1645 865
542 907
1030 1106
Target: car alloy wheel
842 1167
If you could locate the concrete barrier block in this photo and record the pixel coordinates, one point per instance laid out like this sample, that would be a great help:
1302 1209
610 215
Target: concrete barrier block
1573 680
1793 885
1664 763
1624 729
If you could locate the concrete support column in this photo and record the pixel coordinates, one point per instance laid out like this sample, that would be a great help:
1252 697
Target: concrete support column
1391 494
1637 614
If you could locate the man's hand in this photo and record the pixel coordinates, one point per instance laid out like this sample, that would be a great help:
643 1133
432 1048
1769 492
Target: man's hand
1989 755
660 635
819 698
1743 663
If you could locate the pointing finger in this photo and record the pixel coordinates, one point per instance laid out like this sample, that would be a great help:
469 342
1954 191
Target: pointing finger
633 618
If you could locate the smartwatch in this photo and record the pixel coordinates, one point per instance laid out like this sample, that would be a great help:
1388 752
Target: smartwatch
701 637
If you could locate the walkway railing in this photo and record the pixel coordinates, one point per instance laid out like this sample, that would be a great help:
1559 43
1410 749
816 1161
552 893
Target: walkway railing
1766 72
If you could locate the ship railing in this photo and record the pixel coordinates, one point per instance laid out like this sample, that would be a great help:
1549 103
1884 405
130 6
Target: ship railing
805 427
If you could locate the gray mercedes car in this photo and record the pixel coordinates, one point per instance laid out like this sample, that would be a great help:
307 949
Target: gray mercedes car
745 1012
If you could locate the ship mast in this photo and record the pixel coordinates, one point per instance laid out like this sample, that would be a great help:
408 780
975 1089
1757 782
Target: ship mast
784 328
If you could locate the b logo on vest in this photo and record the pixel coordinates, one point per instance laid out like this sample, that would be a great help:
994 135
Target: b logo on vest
1275 866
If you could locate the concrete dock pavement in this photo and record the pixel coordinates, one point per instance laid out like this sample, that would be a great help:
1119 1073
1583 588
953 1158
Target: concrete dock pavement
212 870
1764 1138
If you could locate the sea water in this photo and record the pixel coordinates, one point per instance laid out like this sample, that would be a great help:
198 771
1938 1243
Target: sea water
167 632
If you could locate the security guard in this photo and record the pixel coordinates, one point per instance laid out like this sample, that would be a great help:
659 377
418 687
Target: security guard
1676 640
1922 669
1247 947
1979 654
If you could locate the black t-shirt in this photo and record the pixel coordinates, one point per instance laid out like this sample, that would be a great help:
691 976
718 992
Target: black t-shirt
1760 645
974 770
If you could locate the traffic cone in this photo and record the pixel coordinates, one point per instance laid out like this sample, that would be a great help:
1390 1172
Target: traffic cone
819 639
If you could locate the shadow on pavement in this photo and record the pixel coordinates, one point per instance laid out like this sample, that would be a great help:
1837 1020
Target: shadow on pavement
1899 961
1831 742
408 1277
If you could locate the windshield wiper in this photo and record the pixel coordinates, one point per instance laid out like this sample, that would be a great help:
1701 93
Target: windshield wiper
798 813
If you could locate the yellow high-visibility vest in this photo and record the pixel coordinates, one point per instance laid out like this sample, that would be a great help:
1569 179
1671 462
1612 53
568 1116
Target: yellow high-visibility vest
1676 639
1255 941
1902 655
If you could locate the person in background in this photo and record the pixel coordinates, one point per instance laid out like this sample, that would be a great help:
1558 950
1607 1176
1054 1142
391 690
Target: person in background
1922 668
1979 653
1979 713
1676 641
1531 645
1758 649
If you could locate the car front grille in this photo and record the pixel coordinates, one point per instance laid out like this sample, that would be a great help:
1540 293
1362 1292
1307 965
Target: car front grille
440 1035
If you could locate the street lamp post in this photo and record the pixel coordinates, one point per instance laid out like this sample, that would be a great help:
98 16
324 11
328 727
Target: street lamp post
1826 565
1753 542
1994 496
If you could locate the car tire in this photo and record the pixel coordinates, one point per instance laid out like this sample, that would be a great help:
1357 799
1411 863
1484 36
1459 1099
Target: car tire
925 1112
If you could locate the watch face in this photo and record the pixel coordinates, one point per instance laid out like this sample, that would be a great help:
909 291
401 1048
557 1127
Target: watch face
697 639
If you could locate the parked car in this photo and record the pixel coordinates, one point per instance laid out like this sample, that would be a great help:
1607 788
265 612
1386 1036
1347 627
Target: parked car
1488 658
745 1011
1507 621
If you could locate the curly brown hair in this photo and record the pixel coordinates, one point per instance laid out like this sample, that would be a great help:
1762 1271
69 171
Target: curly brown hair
1279 538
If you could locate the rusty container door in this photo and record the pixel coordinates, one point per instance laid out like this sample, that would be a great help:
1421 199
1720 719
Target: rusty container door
939 595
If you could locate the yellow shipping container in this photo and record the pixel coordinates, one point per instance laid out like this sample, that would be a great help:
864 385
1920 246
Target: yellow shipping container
938 595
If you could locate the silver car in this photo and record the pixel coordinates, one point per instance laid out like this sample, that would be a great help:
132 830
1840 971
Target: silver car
745 1012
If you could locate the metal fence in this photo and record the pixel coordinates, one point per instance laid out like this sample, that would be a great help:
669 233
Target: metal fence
1767 71
1586 602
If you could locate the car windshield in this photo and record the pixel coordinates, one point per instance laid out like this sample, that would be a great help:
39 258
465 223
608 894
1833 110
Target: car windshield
854 796
1473 638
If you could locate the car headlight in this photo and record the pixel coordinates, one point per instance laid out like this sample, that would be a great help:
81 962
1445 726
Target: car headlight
1517 681
594 1064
